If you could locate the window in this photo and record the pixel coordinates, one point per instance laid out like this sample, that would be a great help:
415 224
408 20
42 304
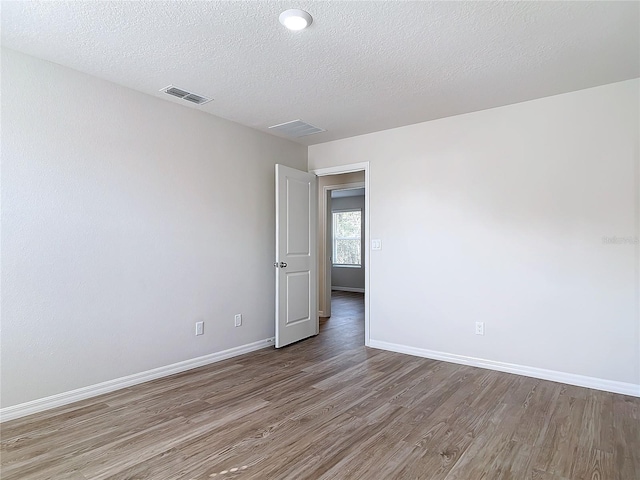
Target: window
347 226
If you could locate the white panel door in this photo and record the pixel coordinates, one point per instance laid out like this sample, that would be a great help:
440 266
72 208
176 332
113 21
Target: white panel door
296 224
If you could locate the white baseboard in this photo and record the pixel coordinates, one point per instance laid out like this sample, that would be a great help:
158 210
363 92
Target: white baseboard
46 403
541 373
348 289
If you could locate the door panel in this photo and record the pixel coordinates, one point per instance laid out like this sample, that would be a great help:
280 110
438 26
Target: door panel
296 269
298 305
298 208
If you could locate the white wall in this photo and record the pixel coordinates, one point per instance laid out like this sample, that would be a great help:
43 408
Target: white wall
125 219
499 216
349 277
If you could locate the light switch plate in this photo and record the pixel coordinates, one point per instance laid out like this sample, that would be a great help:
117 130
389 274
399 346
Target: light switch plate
199 328
376 244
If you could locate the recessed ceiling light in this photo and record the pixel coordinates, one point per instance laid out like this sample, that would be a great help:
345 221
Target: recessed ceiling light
295 19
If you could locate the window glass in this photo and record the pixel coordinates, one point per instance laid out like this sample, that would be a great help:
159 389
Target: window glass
347 226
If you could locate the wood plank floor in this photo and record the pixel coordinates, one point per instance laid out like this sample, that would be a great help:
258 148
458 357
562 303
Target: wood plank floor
329 408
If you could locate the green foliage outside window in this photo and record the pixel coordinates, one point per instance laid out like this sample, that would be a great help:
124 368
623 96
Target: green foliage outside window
347 227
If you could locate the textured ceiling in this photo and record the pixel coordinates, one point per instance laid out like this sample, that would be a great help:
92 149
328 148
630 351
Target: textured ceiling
360 67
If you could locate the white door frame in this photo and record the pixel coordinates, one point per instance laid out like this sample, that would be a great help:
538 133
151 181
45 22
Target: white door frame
325 210
358 167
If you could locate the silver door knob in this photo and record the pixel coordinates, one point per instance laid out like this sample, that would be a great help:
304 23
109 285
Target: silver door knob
283 265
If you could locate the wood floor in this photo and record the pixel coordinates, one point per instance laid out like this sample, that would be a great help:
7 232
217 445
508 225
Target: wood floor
329 408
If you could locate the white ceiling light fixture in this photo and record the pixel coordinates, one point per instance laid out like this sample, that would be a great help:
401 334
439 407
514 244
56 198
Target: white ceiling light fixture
295 19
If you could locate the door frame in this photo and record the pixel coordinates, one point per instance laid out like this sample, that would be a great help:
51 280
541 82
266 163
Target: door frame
326 235
350 168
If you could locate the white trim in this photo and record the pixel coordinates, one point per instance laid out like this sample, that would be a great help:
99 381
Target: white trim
46 403
353 167
541 373
357 167
348 289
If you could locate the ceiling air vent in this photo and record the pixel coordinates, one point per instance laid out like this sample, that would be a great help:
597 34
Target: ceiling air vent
296 128
184 95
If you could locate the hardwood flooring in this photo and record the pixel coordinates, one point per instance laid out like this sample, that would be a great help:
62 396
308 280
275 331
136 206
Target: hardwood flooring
329 408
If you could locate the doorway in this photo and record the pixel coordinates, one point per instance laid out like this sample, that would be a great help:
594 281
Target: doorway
347 179
345 240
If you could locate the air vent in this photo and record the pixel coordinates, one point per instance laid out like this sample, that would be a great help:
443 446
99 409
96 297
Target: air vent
184 95
296 128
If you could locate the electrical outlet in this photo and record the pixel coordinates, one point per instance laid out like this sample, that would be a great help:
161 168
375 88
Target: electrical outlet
237 321
199 328
479 328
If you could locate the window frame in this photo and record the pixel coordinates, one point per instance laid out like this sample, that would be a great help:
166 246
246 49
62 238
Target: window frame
333 238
